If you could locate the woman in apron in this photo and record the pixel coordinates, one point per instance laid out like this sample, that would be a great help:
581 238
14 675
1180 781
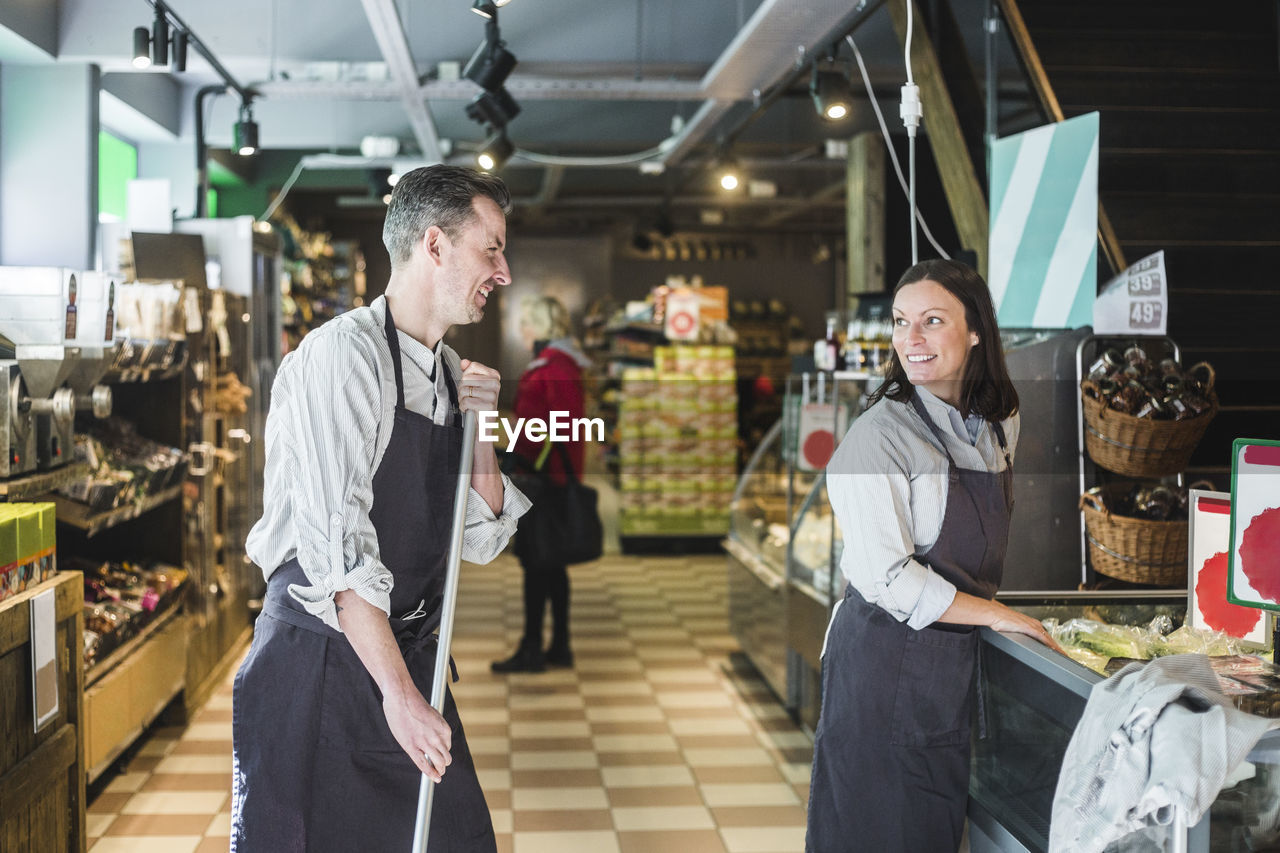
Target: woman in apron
922 488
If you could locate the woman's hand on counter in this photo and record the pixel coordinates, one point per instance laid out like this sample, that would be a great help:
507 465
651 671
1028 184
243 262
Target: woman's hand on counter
1010 621
968 609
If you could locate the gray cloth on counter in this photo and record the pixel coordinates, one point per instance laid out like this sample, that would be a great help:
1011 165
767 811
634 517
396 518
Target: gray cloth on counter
1156 740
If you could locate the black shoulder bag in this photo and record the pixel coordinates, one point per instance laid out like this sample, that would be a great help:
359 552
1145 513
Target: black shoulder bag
563 526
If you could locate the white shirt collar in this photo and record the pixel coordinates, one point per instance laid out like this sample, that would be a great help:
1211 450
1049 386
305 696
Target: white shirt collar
948 416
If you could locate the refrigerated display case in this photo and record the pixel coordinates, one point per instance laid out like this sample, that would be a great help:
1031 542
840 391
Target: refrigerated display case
1034 699
815 402
783 541
757 565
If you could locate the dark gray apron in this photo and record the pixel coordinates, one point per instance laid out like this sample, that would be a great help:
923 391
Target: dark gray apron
891 754
317 768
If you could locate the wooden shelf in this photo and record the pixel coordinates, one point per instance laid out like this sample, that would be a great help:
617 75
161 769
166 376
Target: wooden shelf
120 653
78 515
42 482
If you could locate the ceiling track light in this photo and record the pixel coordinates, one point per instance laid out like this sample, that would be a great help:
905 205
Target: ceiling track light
245 132
180 50
141 47
494 108
490 65
831 96
160 39
495 152
728 174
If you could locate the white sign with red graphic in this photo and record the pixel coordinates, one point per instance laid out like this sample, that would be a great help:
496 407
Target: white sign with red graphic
682 316
816 438
1254 558
1209 515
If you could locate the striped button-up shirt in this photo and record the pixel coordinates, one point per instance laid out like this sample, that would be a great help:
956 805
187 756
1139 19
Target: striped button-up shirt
332 411
887 483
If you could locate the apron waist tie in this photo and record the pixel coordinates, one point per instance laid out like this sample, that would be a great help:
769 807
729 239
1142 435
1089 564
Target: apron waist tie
415 642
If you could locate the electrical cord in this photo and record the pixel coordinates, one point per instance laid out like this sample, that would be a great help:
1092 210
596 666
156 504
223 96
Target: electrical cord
893 155
615 160
911 112
284 191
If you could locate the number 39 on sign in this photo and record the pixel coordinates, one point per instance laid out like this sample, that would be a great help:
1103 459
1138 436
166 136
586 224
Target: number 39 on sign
1144 314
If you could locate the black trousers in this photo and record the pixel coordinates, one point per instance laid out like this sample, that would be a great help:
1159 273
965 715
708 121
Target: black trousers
543 583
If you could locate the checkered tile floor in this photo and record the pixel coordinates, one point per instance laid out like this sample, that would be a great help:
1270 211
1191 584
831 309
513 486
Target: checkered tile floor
658 739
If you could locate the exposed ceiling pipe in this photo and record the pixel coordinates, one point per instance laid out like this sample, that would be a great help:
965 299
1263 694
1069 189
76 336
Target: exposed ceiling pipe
551 180
780 34
384 20
525 87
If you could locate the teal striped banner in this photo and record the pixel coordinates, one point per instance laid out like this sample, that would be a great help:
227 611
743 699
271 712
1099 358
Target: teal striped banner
1043 252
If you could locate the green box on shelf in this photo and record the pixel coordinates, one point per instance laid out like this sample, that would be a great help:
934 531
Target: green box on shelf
48 513
9 574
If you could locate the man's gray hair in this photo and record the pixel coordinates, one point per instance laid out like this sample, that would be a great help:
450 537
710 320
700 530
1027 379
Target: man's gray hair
440 196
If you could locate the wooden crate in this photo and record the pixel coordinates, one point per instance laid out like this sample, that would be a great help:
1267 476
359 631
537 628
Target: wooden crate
42 778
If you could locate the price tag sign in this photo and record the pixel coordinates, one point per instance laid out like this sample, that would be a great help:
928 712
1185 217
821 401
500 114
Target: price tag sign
1136 301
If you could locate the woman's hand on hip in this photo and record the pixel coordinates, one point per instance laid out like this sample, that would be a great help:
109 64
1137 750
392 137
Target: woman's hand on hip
1010 621
422 733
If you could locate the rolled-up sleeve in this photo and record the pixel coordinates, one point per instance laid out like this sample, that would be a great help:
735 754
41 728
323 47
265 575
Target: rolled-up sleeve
331 426
870 492
487 534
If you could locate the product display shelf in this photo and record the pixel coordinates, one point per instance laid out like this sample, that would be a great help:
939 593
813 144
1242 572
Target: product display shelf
42 482
677 429
79 515
1092 474
42 774
126 691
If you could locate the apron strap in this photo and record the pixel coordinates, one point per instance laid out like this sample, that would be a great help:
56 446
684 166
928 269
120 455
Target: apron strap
454 418
393 343
953 470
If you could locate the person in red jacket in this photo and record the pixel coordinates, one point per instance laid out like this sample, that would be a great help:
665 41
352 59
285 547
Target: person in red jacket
551 383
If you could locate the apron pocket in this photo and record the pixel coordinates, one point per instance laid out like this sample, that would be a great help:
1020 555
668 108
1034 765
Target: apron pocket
931 702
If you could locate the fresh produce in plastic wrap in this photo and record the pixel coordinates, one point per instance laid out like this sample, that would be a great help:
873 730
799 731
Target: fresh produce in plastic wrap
1187 640
1111 641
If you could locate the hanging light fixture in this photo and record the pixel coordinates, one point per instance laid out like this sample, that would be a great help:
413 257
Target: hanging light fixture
830 93
141 47
495 152
245 132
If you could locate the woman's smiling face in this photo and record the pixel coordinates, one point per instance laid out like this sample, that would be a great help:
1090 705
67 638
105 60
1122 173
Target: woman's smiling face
932 338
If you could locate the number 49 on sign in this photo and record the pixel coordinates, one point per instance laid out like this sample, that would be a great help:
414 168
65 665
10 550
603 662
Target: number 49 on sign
1144 314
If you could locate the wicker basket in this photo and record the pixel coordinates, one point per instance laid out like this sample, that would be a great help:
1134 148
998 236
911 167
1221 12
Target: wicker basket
1134 549
1142 447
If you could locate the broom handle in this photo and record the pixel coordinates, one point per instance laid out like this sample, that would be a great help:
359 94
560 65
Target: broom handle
426 787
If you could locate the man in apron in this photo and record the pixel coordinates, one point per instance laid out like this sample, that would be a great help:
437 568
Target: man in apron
330 725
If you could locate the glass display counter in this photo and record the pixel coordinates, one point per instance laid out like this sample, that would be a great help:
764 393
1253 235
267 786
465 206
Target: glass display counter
757 547
816 403
783 542
1034 699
